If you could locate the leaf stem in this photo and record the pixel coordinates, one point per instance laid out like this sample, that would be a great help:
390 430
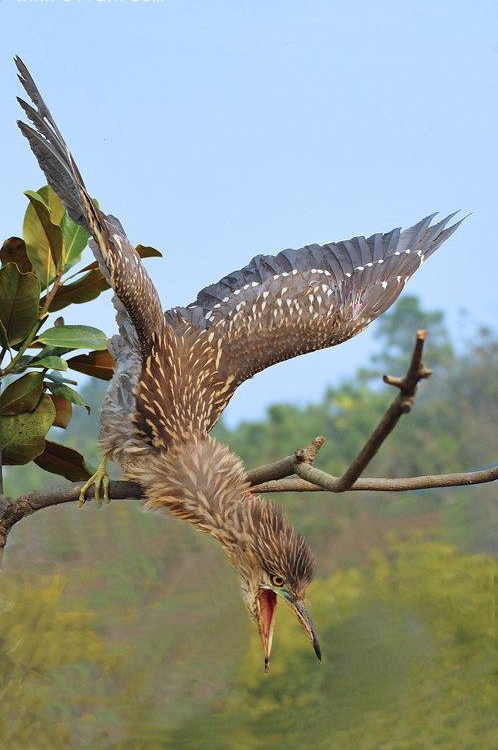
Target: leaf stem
77 273
32 334
51 295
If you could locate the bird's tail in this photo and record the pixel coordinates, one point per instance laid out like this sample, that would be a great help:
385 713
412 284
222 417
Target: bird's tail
119 262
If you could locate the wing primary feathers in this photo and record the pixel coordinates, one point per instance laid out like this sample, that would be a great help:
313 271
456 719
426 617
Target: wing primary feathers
119 262
278 307
339 259
32 91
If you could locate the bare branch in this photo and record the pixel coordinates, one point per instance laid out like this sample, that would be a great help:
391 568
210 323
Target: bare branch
12 511
310 479
286 466
402 404
315 480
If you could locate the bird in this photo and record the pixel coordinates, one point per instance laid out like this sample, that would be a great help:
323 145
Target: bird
177 370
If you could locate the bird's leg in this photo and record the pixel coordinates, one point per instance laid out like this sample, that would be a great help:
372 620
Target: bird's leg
99 479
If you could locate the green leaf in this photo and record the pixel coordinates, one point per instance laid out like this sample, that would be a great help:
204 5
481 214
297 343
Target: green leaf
14 251
52 351
50 363
44 353
85 289
75 240
57 378
21 365
76 337
53 203
145 251
19 295
71 239
98 364
64 461
22 395
37 248
64 391
63 411
23 436
44 242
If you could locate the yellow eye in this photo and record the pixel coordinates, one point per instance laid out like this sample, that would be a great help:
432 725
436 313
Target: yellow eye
277 581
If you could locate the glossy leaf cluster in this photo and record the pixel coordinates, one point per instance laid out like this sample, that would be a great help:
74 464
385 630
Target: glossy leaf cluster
41 273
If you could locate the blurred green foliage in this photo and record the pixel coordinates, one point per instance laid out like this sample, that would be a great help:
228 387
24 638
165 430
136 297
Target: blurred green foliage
49 654
140 636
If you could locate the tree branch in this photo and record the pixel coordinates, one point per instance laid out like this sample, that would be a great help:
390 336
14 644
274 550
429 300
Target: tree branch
294 473
1 443
402 404
310 479
319 481
286 466
13 510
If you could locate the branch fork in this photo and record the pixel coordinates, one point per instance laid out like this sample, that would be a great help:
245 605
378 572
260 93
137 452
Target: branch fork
417 371
304 477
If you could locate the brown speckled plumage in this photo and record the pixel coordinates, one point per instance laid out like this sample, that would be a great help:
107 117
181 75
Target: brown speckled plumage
177 371
202 482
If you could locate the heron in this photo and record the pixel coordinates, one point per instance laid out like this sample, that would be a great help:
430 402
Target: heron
177 370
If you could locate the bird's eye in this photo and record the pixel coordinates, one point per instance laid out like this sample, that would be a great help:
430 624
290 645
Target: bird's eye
277 581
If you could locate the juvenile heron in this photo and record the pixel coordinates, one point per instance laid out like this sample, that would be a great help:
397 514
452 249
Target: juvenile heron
176 371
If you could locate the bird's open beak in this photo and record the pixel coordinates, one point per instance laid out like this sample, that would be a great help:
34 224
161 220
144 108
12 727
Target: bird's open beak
267 604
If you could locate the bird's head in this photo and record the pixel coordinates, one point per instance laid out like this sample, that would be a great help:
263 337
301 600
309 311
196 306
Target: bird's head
274 563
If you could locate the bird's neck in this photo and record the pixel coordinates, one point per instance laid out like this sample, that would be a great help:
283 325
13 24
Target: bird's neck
202 482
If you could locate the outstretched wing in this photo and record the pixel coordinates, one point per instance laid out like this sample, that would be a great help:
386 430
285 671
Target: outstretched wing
278 307
178 387
118 260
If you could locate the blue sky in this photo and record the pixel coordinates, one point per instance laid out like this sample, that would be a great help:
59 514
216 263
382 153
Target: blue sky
219 129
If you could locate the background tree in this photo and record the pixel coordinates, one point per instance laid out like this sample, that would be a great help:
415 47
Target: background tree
395 332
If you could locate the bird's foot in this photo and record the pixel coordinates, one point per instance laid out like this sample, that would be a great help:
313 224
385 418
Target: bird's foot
101 480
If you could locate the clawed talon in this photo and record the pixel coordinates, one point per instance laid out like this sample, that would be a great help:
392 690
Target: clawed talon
101 480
